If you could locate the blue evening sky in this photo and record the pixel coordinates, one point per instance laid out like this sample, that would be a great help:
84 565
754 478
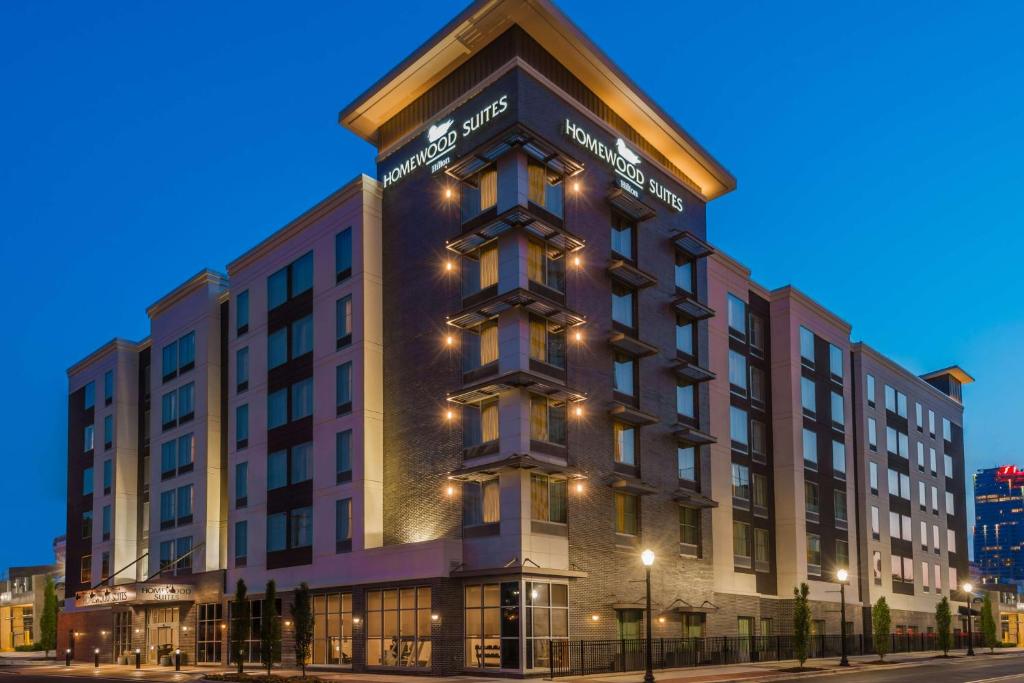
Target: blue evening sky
877 146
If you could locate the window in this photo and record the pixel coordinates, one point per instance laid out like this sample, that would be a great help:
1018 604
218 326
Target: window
738 426
950 540
291 529
924 535
758 441
87 481
890 399
343 255
488 608
242 369
741 484
738 371
107 522
684 274
689 528
186 447
179 356
186 402
935 538
290 342
343 388
838 417
624 443
807 401
480 269
920 456
332 619
108 476
687 461
947 463
277 348
806 345
932 463
814 554
302 336
950 507
741 544
544 187
757 384
938 579
931 422
167 500
759 486
290 466
812 502
918 416
894 482
684 337
894 525
343 456
762 550
343 525
810 449
545 265
947 430
480 423
622 237
843 559
627 515
922 495
280 410
624 374
294 279
839 459
343 315
242 313
874 522
85 569
185 504
872 434
684 401
935 500
737 315
481 502
89 438
547 420
108 387
623 306
905 486
241 426
757 334
241 484
873 477
839 508
168 459
547 498
835 360
87 524
89 396
869 382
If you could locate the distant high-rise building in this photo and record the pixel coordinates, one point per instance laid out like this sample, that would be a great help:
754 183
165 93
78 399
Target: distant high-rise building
999 524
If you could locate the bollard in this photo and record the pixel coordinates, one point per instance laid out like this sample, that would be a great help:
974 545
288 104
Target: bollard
67 657
177 660
96 658
138 658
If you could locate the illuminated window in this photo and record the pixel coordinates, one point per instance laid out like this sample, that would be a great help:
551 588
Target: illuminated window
627 514
548 498
545 187
479 192
547 420
624 443
545 265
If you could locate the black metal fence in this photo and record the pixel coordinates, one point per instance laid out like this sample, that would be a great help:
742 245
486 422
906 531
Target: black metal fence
583 657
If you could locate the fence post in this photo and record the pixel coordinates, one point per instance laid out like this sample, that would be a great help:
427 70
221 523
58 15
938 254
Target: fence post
552 661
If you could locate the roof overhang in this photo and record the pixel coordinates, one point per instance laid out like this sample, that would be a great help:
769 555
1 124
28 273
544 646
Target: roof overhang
954 371
483 21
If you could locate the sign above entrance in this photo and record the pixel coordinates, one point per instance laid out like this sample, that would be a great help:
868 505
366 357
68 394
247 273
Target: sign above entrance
626 164
134 593
107 595
442 139
164 592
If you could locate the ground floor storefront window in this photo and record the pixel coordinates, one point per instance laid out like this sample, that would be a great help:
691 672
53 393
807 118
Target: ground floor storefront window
251 647
209 634
398 627
122 634
492 625
332 628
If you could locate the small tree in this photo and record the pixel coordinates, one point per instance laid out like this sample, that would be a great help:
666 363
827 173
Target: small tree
943 621
302 618
239 624
48 621
881 623
801 623
988 623
270 634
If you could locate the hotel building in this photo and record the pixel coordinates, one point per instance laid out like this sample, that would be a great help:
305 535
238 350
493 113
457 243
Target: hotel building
998 529
460 399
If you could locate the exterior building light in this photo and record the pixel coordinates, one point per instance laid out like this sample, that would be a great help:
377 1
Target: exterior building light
435 618
579 411
575 186
448 415
842 575
449 266
356 620
450 491
288 622
595 617
579 487
579 336
661 620
577 261
184 628
447 193
449 340
647 557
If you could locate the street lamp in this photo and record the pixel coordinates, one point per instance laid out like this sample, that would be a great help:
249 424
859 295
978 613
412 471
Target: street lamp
842 576
970 633
647 557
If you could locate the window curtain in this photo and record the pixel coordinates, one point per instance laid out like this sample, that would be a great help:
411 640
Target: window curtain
535 261
488 188
539 419
539 505
489 422
491 502
537 178
488 343
488 267
538 340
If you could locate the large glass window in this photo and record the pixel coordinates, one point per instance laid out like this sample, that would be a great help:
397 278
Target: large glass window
343 455
481 503
807 398
738 426
545 264
623 305
810 448
480 423
302 336
627 514
89 396
838 416
332 629
289 466
547 619
343 322
623 237
547 420
689 527
547 498
741 482
479 192
685 405
625 374
343 254
294 279
492 625
839 458
344 387
398 627
806 345
547 343
737 315
242 313
687 461
480 269
209 635
624 443
738 370
741 544
545 187
291 529
835 360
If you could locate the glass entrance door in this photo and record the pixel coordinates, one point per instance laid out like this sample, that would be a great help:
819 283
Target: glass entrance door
162 634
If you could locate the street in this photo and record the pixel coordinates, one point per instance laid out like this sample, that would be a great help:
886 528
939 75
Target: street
982 667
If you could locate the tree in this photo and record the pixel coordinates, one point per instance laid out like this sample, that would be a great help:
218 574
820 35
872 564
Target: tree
239 624
48 621
943 621
881 623
302 618
801 623
270 634
988 623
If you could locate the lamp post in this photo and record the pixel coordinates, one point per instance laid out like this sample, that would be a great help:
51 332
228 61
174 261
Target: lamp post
138 658
67 657
843 576
970 633
647 557
96 658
